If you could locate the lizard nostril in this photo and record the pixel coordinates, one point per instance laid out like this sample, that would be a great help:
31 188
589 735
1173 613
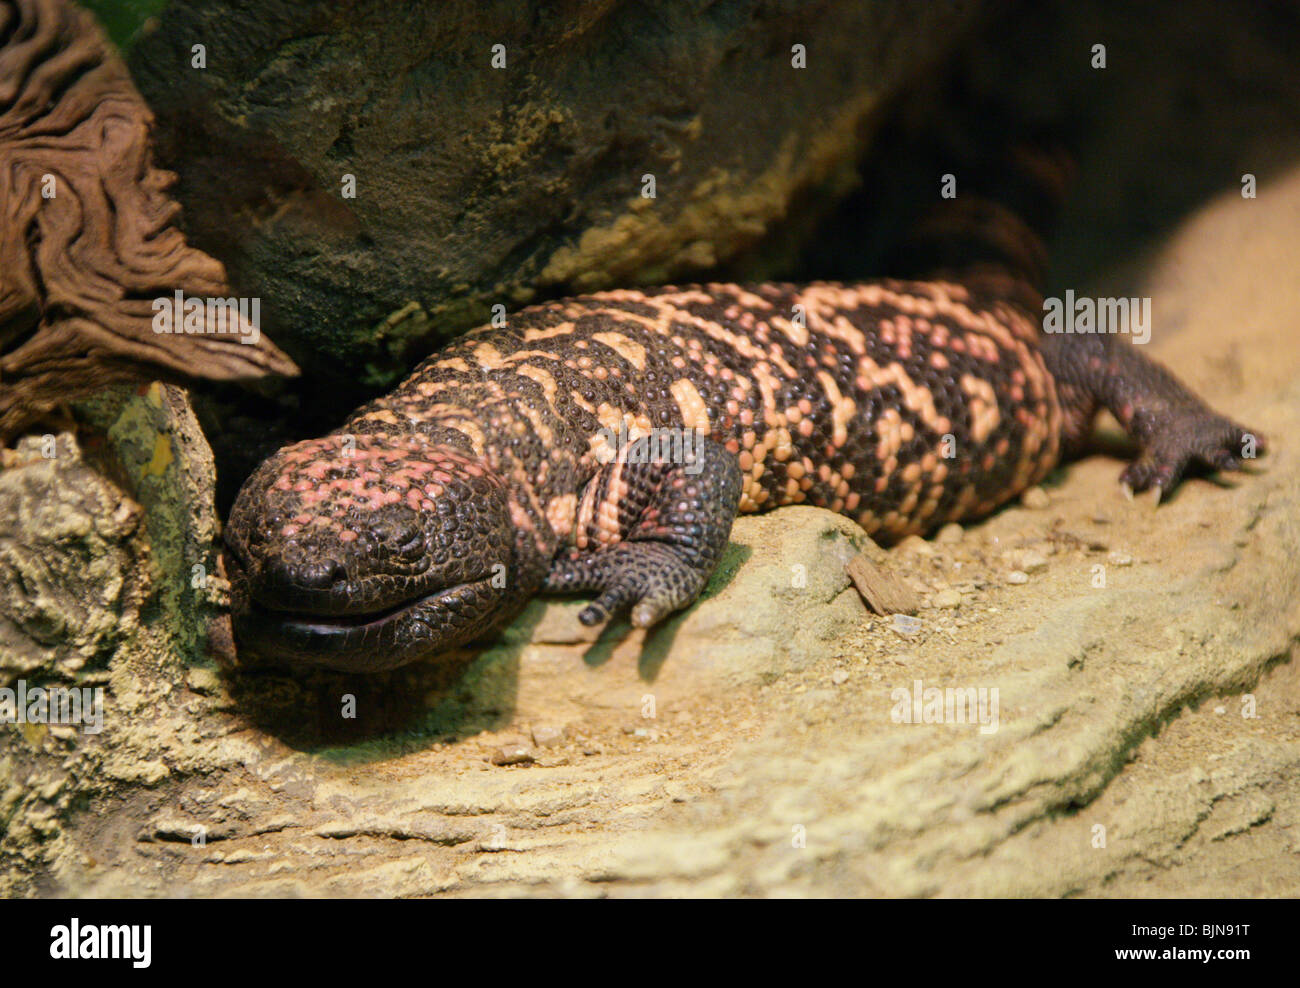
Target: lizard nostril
326 574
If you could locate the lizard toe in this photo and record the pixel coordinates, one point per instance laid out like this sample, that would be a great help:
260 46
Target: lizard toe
1198 439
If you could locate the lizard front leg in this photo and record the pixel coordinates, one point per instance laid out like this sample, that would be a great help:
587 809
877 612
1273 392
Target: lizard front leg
650 531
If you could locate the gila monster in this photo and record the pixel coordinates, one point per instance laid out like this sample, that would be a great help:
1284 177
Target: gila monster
544 455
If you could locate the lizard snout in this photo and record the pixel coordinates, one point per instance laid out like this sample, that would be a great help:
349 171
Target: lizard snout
367 552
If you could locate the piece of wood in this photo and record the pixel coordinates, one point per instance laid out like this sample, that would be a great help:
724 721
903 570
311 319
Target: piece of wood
87 235
883 593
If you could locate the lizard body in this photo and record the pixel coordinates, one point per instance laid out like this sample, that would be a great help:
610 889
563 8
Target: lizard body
508 463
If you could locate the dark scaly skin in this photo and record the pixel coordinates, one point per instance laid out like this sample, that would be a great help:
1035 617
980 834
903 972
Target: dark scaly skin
484 478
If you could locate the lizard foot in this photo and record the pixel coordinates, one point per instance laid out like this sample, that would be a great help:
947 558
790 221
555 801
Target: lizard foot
649 578
1189 437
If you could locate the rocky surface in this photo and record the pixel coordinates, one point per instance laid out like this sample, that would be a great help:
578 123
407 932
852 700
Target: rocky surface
1147 736
477 183
70 573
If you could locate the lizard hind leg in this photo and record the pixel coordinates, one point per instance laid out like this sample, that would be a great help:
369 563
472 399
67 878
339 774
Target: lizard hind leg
1175 430
650 532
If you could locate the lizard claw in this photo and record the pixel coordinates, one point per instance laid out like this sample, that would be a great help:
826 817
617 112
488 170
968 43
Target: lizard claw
651 579
1192 439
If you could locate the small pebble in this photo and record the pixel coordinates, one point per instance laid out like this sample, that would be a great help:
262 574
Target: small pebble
1028 561
1017 577
914 543
947 598
202 680
950 534
1035 498
547 735
1121 559
905 624
516 753
840 676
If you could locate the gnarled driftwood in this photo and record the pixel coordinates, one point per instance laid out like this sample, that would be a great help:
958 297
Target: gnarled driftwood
86 237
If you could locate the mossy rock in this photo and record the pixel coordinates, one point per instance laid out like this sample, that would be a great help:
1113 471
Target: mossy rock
478 185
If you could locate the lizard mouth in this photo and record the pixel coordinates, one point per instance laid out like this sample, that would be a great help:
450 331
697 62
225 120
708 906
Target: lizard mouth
334 623
368 642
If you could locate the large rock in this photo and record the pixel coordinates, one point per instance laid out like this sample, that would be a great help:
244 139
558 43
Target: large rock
70 573
477 185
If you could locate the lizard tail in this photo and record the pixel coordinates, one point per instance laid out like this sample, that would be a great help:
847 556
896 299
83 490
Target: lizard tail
990 227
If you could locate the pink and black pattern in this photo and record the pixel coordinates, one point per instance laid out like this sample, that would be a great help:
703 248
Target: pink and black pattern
505 464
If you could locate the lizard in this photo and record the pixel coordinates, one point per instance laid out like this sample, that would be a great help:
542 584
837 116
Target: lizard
604 443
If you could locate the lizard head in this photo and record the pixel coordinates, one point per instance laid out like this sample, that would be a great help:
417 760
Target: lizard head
366 552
